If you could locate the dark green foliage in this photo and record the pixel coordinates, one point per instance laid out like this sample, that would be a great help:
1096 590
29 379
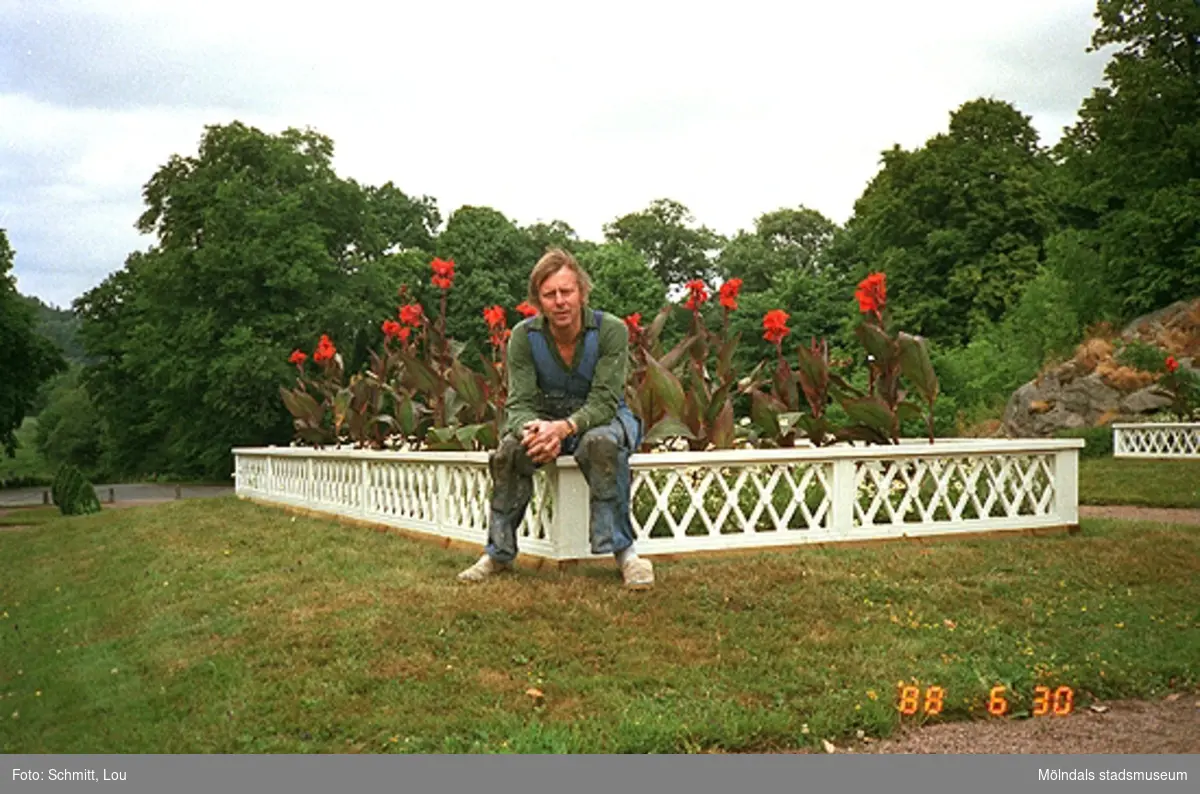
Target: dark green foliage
29 358
1139 355
1129 181
69 428
261 248
1098 440
622 282
665 233
73 494
957 225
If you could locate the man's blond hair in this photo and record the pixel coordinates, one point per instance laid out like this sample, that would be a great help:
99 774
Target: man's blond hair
551 262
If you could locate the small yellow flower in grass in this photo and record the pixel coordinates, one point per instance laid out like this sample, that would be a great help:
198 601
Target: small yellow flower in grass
1083 609
57 589
37 694
394 739
1120 625
113 671
858 707
16 715
165 584
6 614
226 552
871 694
20 672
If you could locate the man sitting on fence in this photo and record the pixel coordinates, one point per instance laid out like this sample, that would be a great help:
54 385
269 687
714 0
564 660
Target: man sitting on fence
574 410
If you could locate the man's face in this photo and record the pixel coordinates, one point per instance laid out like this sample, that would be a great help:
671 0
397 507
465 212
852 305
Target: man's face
561 299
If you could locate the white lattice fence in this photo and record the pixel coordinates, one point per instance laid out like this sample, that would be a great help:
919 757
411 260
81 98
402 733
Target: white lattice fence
683 502
1153 440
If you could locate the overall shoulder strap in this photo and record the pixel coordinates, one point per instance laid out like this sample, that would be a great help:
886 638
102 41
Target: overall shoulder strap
551 376
591 349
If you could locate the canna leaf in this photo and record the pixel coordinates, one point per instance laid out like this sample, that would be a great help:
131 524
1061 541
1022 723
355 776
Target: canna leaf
917 367
870 412
667 427
877 343
666 387
722 434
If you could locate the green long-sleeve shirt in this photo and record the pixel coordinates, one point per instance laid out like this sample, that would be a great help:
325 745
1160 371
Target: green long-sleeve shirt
608 381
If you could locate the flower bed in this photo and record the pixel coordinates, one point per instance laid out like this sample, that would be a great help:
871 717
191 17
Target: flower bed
1166 440
684 502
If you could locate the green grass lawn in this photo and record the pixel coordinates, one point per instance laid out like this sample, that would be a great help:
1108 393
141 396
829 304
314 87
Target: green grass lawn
27 463
1149 483
215 626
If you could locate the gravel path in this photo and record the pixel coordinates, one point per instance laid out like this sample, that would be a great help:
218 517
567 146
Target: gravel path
1167 726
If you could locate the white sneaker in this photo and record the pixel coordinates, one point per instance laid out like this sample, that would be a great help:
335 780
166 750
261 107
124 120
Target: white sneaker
484 567
638 574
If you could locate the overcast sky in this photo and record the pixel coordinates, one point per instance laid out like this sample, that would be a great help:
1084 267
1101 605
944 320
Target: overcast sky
542 110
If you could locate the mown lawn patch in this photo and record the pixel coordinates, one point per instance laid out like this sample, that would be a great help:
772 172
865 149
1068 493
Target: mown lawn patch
220 626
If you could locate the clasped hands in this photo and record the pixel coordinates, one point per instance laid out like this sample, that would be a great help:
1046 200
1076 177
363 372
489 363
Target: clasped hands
543 439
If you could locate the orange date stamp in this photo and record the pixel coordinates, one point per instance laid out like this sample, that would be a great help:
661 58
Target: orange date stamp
1057 701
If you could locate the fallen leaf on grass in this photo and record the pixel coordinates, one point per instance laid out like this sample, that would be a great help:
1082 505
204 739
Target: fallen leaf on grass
535 693
829 746
1099 709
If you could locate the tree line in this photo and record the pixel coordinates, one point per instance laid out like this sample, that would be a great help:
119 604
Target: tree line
1000 250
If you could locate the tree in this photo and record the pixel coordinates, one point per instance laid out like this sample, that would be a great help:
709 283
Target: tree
493 259
664 233
622 282
555 234
29 358
785 239
959 224
1129 182
260 248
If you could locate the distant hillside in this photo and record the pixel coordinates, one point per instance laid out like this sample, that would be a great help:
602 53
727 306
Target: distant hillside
61 327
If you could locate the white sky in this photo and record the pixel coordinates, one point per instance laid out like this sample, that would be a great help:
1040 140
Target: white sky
541 110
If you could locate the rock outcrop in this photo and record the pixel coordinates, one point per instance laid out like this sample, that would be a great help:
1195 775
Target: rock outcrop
1093 388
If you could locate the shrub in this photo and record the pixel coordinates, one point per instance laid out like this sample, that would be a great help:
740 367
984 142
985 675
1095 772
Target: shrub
1098 440
73 494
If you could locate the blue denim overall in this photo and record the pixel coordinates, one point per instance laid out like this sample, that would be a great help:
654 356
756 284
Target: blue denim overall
602 454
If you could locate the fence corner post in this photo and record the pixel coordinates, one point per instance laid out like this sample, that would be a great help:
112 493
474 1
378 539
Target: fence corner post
572 519
844 493
1066 485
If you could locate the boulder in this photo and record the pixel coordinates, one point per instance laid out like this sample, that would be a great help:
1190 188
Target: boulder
1145 401
1094 389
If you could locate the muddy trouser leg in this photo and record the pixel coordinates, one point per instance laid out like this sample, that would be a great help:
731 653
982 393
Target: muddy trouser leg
512 488
603 457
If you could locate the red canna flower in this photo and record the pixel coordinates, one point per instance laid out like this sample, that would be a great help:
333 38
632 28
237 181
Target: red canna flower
391 329
526 309
494 317
872 293
443 273
634 323
500 337
404 334
698 294
325 350
775 326
1172 364
412 314
729 293
298 357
